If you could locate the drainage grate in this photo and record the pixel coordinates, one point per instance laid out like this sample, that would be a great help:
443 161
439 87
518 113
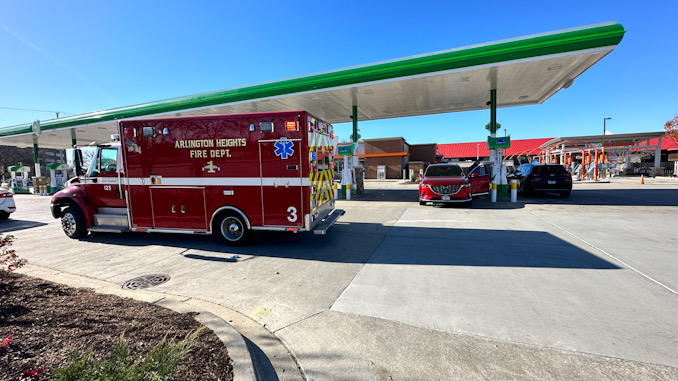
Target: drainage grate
146 281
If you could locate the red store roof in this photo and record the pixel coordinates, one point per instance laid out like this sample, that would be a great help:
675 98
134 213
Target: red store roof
519 146
469 150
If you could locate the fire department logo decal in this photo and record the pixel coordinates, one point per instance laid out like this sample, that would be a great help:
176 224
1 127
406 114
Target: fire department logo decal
284 148
210 167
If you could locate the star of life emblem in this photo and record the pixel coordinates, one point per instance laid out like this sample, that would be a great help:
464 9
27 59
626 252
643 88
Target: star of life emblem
284 148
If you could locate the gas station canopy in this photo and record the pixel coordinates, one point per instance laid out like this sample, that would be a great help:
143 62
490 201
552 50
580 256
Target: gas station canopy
607 141
524 71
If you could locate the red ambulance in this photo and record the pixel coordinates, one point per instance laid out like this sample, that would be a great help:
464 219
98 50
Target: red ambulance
222 174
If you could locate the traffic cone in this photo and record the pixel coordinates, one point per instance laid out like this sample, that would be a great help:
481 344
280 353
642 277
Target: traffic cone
642 179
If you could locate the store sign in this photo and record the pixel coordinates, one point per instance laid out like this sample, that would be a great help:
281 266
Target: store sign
503 142
673 157
618 144
346 150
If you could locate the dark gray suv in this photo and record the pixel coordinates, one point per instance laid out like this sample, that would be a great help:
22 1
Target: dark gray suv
543 178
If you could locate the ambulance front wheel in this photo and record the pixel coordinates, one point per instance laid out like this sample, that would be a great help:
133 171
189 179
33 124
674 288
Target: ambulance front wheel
232 229
73 222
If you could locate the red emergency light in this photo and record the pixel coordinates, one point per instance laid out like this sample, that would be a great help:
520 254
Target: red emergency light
129 132
291 126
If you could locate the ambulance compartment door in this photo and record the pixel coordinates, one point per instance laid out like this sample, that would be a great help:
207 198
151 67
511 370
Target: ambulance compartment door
281 182
178 208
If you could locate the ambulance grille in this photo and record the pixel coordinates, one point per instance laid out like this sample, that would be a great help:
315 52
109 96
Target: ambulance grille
445 189
146 281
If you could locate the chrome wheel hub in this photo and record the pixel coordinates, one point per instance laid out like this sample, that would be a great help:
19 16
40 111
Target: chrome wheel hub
68 224
231 229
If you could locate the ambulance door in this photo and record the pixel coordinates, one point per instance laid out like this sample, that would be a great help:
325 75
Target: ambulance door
281 190
102 183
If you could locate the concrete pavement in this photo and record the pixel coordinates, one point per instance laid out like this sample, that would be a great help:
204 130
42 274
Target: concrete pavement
547 288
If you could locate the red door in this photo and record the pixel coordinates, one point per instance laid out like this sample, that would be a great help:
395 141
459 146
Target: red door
480 181
102 183
281 191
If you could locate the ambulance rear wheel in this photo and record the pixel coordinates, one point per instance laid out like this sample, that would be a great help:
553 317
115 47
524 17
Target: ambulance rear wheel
73 222
232 229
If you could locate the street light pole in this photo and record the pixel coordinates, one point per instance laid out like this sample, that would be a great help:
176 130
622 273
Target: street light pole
605 120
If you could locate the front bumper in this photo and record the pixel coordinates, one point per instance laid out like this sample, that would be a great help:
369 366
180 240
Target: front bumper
427 195
452 200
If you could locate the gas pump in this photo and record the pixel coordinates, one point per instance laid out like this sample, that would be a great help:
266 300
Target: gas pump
19 183
58 175
347 172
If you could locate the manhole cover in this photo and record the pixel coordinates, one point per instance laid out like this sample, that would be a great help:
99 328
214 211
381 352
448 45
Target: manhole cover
146 281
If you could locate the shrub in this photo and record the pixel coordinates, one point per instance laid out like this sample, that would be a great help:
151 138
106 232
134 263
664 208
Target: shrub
9 261
159 365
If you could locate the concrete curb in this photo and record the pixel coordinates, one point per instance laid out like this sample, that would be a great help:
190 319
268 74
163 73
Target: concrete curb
238 349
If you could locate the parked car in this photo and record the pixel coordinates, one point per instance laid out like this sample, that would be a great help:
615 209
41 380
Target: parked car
448 183
543 178
7 205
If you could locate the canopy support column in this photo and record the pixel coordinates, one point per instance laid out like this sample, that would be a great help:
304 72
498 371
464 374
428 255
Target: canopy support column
36 157
658 153
496 154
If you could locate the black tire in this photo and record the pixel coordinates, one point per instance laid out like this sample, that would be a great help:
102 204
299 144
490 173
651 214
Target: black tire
526 191
468 203
73 222
565 194
231 229
422 202
3 215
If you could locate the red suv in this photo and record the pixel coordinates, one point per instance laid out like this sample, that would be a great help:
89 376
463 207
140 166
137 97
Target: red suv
449 183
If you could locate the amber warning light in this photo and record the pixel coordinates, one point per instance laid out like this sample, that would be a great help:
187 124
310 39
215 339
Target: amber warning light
291 126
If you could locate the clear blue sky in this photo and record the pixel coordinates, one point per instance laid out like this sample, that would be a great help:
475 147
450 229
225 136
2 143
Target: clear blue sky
82 56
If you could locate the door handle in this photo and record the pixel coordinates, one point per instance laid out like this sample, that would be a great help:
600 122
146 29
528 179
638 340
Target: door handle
183 209
174 209
275 184
287 184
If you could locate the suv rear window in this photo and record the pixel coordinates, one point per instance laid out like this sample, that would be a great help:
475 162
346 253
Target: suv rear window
444 171
550 169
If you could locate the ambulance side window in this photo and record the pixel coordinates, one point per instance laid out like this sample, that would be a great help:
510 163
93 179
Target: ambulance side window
104 163
108 160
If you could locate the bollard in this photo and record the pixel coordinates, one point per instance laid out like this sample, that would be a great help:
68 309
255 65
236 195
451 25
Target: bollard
493 192
336 191
514 190
348 192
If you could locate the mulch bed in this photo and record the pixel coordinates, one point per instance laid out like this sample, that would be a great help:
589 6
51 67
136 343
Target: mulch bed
47 321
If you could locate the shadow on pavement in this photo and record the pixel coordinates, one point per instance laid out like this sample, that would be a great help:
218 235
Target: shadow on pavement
12 225
617 197
353 243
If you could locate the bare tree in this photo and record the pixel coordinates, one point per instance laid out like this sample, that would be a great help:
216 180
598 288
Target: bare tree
671 128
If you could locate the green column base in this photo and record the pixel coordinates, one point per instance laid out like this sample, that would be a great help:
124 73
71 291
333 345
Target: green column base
342 190
502 190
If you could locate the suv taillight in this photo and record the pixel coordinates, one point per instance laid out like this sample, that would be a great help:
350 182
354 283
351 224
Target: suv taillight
6 194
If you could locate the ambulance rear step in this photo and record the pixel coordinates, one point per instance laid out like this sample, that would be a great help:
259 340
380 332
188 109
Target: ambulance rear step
327 224
110 220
